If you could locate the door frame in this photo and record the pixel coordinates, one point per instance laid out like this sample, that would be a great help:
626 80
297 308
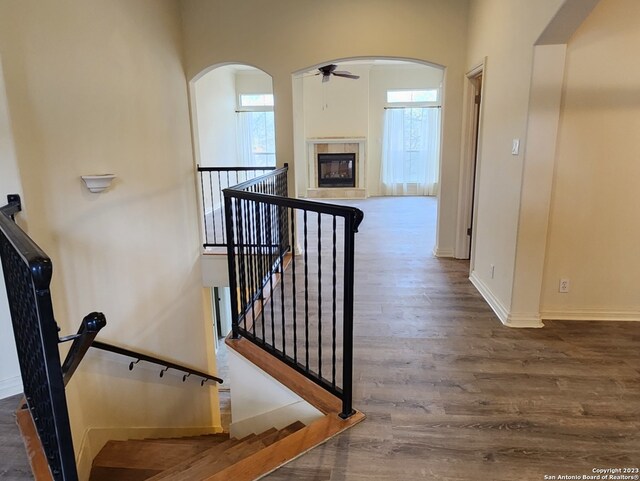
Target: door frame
470 165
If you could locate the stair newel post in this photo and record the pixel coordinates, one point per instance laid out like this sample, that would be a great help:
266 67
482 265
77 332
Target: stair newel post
229 224
347 353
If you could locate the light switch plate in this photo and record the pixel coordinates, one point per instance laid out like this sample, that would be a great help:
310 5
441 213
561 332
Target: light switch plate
515 147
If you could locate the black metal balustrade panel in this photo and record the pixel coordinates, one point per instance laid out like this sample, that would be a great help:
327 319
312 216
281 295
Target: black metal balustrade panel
27 273
296 306
213 180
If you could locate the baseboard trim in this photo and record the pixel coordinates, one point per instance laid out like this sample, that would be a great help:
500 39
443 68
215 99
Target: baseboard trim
94 440
10 386
437 252
529 321
494 303
591 315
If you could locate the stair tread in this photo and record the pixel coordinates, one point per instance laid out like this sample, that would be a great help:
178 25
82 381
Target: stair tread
101 473
213 452
282 433
142 454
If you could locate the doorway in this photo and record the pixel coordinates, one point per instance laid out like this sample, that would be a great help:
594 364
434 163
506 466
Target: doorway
470 168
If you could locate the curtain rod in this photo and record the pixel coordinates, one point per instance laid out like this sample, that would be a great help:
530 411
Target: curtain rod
407 107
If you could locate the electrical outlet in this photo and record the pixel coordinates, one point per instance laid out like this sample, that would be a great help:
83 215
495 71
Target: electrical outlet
492 271
564 286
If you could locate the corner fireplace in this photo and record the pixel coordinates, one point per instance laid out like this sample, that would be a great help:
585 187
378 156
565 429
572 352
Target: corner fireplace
337 170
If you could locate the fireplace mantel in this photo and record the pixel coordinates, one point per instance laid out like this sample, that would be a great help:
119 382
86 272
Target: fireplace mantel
316 145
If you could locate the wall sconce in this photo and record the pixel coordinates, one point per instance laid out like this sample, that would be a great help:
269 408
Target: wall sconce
98 183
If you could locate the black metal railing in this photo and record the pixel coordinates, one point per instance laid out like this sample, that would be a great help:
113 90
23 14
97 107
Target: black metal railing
213 180
166 365
297 307
27 274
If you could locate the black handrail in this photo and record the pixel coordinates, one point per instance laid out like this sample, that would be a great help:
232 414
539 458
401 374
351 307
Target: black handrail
213 180
261 226
155 360
89 329
27 273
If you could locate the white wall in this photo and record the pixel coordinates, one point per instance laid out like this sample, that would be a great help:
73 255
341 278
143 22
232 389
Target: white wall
98 86
253 82
593 228
215 119
10 381
282 38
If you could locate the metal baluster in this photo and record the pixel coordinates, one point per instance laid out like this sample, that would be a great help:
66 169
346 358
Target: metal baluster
222 216
306 294
333 354
262 260
241 258
231 262
270 274
293 284
204 209
213 208
320 295
347 337
252 270
282 308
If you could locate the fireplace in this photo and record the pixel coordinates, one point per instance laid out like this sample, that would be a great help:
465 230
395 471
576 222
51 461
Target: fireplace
337 170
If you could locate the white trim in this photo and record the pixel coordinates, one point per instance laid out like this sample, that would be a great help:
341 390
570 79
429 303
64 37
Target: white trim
494 303
525 320
10 386
437 252
594 314
521 320
467 153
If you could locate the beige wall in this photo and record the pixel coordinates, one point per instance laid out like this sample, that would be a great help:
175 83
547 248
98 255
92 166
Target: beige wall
283 37
503 31
593 228
213 100
98 86
10 382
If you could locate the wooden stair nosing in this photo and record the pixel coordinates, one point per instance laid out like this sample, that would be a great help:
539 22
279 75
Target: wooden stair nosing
271 457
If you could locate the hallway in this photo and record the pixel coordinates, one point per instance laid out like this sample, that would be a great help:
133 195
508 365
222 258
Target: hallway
450 393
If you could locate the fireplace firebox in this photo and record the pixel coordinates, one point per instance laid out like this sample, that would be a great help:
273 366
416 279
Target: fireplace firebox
337 170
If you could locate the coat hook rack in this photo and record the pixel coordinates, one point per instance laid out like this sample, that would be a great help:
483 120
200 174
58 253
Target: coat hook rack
184 378
163 371
131 364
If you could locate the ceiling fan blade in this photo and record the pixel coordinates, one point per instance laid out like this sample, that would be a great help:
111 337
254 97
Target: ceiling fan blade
346 75
325 78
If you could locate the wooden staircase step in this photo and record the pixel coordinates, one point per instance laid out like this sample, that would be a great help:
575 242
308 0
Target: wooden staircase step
100 473
207 440
145 454
283 433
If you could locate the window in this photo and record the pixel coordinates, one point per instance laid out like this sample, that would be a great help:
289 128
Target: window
256 130
412 96
411 142
256 100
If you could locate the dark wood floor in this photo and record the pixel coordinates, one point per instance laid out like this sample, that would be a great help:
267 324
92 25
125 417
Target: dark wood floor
14 464
451 394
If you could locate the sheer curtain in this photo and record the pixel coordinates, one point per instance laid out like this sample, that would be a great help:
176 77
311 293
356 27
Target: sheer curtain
410 151
256 139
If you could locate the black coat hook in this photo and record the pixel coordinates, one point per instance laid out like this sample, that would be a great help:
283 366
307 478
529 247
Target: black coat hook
163 371
203 381
184 378
131 364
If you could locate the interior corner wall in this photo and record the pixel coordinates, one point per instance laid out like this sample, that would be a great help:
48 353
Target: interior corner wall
282 38
98 86
10 381
504 32
593 229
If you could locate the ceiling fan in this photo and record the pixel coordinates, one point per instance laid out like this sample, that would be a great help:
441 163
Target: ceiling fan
328 70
